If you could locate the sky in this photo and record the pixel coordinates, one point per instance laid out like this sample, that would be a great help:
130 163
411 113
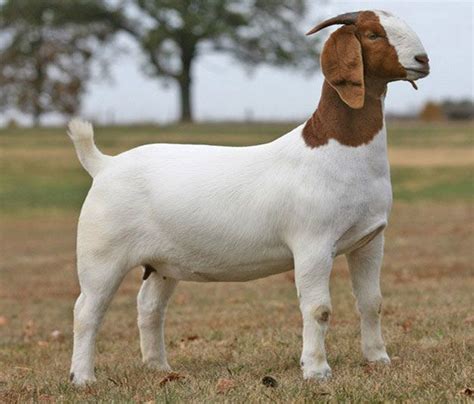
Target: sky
225 91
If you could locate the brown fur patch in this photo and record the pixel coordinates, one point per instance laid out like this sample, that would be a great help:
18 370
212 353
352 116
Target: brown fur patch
335 119
321 314
350 109
341 63
380 57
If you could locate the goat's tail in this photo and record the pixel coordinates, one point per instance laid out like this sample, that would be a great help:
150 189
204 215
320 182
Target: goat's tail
82 135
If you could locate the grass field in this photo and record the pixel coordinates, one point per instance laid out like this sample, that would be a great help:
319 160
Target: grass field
240 332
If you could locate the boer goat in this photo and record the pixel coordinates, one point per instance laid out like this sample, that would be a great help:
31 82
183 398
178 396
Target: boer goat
230 214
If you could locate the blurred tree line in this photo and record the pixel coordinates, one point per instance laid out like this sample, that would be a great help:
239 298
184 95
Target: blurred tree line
448 109
47 46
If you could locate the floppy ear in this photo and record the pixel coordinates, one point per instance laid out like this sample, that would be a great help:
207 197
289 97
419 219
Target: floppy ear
341 63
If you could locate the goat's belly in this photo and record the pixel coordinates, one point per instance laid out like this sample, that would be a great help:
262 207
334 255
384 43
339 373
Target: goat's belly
202 268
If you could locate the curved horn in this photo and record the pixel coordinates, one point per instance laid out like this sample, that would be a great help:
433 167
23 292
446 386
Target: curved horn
346 19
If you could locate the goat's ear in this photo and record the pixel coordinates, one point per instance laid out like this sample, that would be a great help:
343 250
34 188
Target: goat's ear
342 65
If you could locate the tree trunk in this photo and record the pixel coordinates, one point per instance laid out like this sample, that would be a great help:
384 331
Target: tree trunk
185 99
37 117
185 84
38 85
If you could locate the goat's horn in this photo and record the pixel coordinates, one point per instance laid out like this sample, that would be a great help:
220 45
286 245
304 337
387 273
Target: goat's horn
346 19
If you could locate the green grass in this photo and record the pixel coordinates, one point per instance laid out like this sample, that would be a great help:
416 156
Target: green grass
21 193
431 135
433 183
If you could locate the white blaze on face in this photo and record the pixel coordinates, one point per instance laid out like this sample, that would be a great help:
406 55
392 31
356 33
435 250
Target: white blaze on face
404 40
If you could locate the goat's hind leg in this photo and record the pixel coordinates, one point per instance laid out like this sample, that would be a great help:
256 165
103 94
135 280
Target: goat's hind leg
364 265
152 301
99 282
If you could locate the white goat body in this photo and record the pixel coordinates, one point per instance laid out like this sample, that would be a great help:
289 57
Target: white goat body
210 213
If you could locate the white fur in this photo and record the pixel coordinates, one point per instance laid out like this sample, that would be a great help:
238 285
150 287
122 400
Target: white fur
210 213
82 135
404 40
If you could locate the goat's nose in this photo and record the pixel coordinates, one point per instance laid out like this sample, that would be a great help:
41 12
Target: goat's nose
422 58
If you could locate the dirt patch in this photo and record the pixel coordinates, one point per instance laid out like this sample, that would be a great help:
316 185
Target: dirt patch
441 157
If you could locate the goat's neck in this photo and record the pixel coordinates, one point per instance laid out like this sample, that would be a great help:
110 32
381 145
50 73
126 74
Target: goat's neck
351 127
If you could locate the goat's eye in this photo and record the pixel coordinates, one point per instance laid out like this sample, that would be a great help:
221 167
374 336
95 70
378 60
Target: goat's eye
372 36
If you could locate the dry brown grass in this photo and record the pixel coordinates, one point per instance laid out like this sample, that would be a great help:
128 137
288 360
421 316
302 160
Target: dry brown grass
443 157
224 338
243 332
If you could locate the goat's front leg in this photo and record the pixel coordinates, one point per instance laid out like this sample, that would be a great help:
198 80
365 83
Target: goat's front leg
312 272
152 302
364 265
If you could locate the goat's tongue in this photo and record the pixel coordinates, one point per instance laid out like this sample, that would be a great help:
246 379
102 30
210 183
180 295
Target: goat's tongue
413 84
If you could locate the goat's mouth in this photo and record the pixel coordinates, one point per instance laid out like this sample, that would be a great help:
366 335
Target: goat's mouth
417 73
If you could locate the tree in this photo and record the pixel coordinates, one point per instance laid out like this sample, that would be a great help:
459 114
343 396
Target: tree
174 33
432 111
46 48
459 109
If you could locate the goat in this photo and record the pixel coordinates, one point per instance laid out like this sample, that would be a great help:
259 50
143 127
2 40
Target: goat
218 214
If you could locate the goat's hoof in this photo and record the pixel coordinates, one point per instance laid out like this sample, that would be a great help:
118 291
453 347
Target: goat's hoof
384 360
80 381
321 373
379 357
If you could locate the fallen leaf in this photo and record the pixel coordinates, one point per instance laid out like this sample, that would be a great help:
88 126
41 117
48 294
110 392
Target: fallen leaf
114 381
29 330
225 343
388 311
3 320
223 385
269 381
22 368
170 377
369 367
468 391
469 320
43 343
47 398
407 325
